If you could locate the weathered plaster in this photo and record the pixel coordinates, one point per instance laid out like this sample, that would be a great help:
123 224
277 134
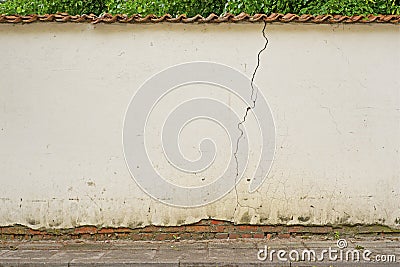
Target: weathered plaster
333 89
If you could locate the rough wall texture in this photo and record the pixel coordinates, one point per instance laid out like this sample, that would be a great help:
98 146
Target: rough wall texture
333 91
202 230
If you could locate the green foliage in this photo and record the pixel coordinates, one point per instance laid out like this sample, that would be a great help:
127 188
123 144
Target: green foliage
202 7
267 7
315 7
41 7
352 7
161 7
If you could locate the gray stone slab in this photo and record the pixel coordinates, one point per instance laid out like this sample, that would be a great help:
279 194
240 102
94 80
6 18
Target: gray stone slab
234 255
70 255
30 258
40 246
182 255
232 244
87 246
228 264
184 246
32 264
133 257
135 245
169 256
6 246
129 256
124 264
28 254
2 252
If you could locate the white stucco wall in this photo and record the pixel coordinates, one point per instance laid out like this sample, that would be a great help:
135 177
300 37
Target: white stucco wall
334 92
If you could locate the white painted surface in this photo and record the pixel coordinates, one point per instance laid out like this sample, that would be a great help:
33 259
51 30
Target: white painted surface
334 91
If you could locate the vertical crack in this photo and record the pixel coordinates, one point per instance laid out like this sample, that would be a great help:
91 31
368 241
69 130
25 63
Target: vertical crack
253 98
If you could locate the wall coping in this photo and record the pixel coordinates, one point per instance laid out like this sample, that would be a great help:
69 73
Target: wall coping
212 18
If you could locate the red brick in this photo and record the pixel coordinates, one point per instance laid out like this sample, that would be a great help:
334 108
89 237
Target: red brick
163 236
122 235
68 237
220 228
147 236
186 236
246 235
233 236
106 231
122 230
6 230
84 236
209 235
283 235
246 228
197 228
173 229
34 232
320 229
135 237
37 237
15 230
149 229
85 230
215 222
223 228
297 229
258 235
198 236
221 235
270 229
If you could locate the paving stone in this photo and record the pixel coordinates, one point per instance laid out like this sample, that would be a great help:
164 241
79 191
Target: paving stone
182 253
234 255
28 254
136 245
40 246
29 263
184 246
135 255
87 246
232 244
69 255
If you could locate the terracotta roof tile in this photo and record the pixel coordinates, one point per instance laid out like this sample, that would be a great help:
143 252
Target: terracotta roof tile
212 18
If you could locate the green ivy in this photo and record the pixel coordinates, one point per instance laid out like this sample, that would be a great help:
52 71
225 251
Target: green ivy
202 7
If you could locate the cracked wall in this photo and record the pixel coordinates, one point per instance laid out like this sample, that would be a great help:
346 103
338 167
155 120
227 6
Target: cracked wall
333 91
